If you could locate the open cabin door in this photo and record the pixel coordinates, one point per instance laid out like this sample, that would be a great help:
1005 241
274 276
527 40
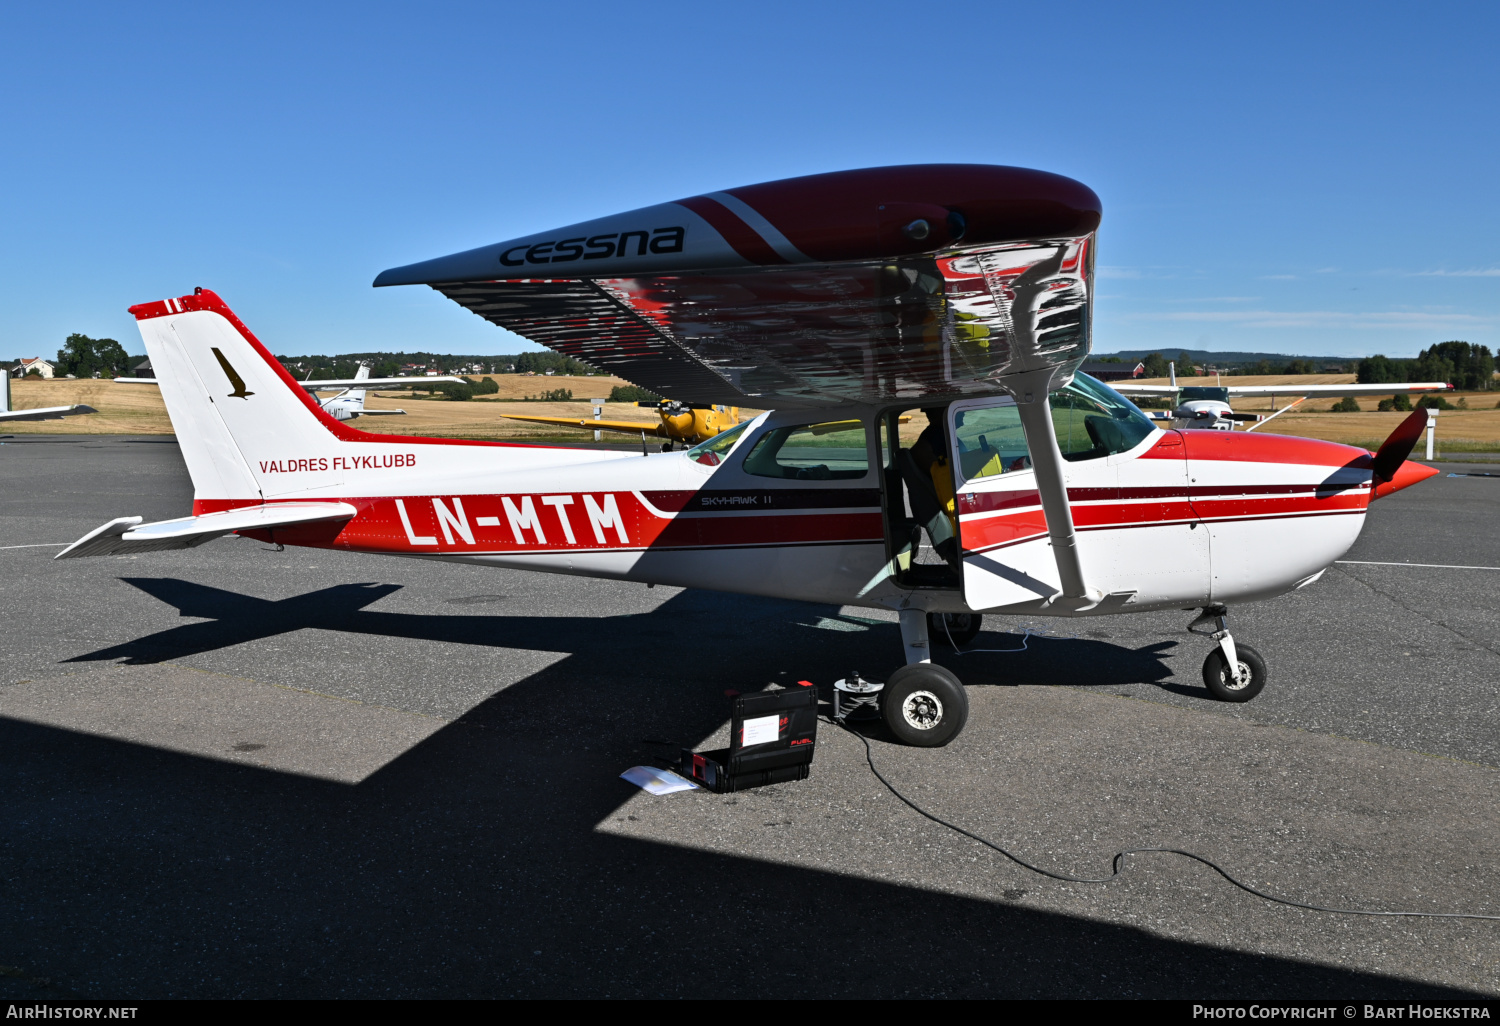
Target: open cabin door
1138 538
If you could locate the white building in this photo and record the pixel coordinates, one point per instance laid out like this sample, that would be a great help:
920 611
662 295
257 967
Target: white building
35 363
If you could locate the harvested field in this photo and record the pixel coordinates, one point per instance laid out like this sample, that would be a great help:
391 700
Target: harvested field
138 410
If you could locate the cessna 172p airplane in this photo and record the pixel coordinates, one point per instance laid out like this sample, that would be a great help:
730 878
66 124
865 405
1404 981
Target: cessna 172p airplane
838 302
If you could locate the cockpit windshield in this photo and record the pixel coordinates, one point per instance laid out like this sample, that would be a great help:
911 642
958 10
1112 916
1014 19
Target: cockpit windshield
1202 392
712 452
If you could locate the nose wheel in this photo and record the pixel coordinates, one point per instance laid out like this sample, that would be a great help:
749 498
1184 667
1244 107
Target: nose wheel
1233 672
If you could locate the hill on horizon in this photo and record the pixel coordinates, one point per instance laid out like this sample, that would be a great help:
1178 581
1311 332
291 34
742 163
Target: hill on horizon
1205 356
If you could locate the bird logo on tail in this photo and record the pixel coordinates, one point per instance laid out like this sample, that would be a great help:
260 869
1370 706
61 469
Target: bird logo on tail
233 376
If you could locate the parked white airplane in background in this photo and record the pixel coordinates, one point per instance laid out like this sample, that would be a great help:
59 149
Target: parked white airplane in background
41 413
350 403
347 404
1207 406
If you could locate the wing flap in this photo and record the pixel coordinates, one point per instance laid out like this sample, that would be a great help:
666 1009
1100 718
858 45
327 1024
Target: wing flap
129 535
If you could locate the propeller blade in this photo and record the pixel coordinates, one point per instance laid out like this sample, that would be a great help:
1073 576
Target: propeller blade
1395 449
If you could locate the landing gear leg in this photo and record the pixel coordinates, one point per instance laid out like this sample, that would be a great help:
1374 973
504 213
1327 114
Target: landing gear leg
922 704
914 636
1232 672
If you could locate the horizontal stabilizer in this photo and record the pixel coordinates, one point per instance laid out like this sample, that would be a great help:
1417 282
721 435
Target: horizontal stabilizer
129 535
46 413
367 412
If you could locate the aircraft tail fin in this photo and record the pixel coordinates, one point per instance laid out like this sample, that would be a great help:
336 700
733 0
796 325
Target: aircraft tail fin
250 433
232 404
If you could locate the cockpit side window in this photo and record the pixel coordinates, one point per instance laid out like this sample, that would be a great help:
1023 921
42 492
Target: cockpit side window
989 441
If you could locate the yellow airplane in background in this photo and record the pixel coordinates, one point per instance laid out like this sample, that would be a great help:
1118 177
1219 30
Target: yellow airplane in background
689 423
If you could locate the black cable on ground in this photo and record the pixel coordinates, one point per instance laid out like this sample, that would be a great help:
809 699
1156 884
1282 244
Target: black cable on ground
1120 856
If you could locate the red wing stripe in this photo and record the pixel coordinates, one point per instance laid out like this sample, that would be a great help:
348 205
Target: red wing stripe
1035 534
745 240
990 502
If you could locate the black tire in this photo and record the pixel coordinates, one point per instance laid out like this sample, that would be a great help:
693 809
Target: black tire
953 630
1225 688
924 705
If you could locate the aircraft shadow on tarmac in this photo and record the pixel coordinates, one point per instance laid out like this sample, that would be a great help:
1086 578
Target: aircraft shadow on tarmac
229 618
472 864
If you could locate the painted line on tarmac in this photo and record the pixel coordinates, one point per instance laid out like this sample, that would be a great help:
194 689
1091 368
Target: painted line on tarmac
38 545
1430 566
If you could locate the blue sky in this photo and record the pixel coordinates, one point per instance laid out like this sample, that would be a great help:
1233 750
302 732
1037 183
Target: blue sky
1309 178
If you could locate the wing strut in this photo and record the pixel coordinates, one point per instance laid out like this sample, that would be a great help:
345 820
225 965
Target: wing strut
1030 390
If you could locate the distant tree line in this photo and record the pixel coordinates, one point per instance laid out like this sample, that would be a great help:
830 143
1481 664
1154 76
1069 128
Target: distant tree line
632 394
1156 366
1468 367
462 391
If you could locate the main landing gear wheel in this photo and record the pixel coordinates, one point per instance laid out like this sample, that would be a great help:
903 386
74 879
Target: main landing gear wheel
1242 686
959 628
924 705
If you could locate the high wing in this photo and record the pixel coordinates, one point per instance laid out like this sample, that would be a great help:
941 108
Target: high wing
1331 391
628 426
919 283
331 383
129 535
1314 391
38 413
1145 391
45 413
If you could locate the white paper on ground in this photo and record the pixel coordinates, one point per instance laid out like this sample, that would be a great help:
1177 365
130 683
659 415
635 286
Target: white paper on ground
760 730
657 781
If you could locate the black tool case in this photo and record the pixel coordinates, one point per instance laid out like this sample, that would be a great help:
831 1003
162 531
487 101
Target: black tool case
781 728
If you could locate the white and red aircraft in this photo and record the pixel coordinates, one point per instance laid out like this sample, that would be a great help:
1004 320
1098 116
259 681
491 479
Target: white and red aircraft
840 302
348 400
1207 406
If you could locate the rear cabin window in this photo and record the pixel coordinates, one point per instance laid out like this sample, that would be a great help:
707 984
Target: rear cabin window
832 451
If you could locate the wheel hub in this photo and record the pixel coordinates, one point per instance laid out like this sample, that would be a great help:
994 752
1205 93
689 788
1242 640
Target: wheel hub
1240 678
922 710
